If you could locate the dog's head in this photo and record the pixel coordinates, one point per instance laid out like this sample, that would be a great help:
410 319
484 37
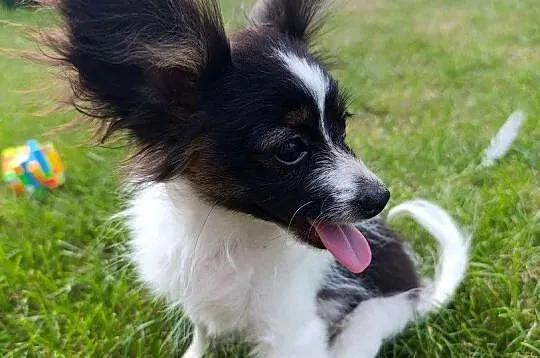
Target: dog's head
254 122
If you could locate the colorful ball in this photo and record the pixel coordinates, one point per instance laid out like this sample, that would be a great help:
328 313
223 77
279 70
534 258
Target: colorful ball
32 168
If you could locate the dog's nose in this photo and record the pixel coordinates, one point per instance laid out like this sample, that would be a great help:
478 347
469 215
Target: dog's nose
374 200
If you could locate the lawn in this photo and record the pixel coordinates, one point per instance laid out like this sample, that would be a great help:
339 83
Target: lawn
432 81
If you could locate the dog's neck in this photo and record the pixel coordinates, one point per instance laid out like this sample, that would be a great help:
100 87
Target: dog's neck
213 260
214 225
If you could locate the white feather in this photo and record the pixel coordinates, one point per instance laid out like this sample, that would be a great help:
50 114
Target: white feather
501 143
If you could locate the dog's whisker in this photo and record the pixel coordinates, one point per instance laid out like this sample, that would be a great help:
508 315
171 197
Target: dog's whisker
317 220
193 262
296 213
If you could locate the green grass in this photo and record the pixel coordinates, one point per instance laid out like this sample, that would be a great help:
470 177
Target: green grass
432 82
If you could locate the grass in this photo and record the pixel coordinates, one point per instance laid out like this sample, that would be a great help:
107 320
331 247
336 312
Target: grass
432 82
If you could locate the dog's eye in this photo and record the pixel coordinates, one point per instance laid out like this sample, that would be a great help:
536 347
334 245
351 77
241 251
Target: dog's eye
291 152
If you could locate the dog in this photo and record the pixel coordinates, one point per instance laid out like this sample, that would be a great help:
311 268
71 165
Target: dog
249 210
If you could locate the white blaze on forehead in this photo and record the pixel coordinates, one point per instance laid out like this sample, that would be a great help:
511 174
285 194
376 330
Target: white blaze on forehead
312 79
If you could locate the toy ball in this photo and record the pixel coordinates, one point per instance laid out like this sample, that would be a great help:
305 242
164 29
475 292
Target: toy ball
32 168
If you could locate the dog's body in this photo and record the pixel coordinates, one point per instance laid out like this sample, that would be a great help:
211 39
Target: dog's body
246 176
232 273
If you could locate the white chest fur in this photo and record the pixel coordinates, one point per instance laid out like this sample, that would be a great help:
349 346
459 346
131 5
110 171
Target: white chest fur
227 270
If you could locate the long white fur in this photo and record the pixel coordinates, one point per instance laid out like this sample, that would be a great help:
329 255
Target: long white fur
373 322
230 273
503 140
454 249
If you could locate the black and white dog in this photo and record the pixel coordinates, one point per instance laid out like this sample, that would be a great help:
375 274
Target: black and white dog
252 214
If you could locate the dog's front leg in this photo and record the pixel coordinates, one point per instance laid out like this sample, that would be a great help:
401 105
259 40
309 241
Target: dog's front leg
198 344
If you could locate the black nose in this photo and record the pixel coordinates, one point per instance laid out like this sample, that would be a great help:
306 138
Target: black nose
374 200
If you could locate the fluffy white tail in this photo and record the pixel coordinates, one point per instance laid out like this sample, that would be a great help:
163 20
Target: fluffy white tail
454 249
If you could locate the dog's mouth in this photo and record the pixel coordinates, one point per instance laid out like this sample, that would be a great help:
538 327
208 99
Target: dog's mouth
345 242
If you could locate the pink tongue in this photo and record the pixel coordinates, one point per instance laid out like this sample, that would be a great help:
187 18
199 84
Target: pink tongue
347 244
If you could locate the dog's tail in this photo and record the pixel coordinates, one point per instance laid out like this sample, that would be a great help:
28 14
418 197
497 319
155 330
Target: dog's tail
453 257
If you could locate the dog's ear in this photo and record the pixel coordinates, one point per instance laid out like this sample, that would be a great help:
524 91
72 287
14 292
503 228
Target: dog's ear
298 19
140 66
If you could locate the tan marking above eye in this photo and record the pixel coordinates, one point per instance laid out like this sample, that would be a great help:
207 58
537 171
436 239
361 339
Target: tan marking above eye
297 116
274 138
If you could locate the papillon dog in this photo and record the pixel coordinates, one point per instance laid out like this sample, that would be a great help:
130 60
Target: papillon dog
250 212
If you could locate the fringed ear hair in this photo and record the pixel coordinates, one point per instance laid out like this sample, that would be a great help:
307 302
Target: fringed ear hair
298 19
140 66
